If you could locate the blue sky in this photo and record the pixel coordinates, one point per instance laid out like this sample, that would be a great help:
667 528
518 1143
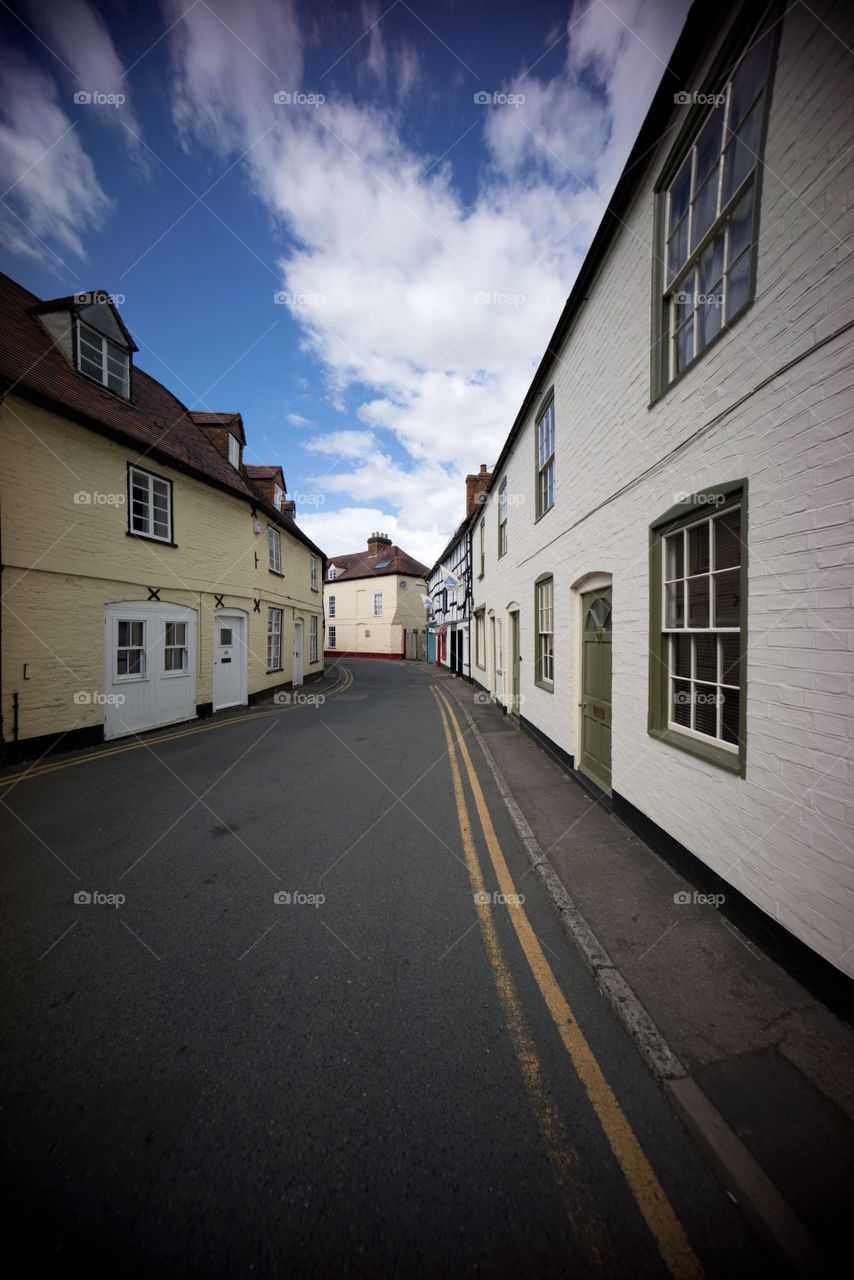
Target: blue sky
420 242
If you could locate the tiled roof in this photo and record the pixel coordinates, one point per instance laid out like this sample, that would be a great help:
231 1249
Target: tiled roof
361 564
262 473
231 420
154 422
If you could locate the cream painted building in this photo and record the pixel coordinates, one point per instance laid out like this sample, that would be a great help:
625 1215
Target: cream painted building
149 576
373 602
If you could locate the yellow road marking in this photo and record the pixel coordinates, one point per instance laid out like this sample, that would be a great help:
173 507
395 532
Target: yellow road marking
561 1153
38 771
673 1243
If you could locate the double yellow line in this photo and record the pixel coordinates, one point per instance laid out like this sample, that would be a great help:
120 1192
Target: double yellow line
660 1217
38 770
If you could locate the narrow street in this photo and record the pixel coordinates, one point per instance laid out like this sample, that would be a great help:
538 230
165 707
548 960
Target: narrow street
402 1070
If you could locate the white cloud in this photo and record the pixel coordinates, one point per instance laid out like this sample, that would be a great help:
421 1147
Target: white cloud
439 307
297 420
81 44
51 189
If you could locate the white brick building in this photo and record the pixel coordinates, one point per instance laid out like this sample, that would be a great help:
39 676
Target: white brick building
668 594
451 606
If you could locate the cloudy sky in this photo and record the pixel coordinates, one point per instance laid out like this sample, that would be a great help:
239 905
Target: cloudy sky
356 223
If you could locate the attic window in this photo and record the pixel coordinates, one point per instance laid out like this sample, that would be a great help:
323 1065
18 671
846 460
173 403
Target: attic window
234 451
279 496
103 360
383 564
332 574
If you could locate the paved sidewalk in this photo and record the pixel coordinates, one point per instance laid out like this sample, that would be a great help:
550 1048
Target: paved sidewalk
776 1064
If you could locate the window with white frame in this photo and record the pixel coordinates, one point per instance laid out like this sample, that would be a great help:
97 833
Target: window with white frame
312 638
546 459
702 574
544 612
278 496
479 638
314 573
274 640
331 603
332 637
103 360
710 211
502 517
378 604
274 550
175 655
332 573
234 451
130 649
150 509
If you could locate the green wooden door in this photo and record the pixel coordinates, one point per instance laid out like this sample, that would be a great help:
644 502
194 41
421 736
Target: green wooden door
595 758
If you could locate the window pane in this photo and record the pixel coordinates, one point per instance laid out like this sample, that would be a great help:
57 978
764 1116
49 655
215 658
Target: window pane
675 605
680 193
685 345
740 226
680 702
705 657
698 548
705 208
706 709
730 648
675 559
698 602
709 146
737 282
727 540
727 598
92 367
709 317
748 79
225 634
729 715
712 266
677 249
740 155
175 660
681 655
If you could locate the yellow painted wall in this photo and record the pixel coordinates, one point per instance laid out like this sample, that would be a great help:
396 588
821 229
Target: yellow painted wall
65 560
354 601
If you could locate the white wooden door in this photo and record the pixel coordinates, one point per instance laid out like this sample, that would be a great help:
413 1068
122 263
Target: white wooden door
230 659
149 666
296 678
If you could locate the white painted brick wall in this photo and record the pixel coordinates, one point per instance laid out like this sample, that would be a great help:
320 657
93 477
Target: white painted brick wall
782 835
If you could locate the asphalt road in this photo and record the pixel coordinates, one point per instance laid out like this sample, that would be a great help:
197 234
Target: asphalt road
380 1077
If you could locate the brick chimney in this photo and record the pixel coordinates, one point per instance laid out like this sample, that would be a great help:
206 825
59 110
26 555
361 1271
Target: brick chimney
376 542
475 486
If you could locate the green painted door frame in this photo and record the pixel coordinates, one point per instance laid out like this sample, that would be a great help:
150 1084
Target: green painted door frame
595 754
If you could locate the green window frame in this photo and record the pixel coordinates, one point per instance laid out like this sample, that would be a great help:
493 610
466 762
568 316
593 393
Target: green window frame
707 203
502 518
698 626
544 437
544 633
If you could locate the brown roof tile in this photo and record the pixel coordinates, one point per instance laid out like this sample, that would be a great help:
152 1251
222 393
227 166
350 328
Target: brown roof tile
361 564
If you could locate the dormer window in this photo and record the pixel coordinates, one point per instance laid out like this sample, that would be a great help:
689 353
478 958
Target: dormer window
332 574
103 360
234 451
278 497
